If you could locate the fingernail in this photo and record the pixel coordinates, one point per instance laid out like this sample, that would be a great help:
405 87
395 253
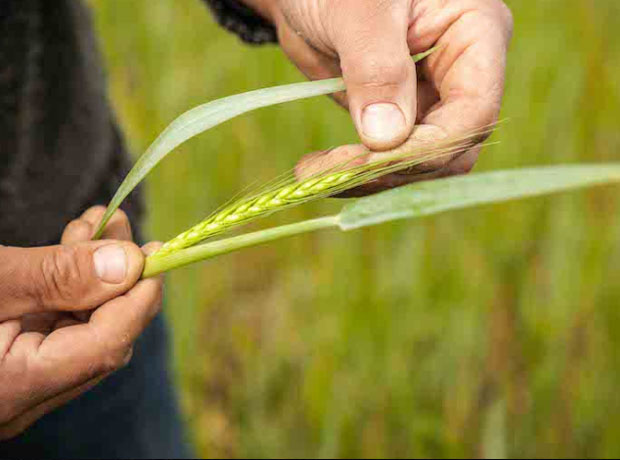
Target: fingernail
383 121
111 264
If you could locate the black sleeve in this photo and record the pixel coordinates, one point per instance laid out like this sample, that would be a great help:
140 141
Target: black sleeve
240 19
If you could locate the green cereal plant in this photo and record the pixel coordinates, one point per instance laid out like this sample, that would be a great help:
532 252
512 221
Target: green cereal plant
415 200
410 201
211 114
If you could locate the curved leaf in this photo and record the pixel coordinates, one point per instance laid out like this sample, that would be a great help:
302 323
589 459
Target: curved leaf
206 116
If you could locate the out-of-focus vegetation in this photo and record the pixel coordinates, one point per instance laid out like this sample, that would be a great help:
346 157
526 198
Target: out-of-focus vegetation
487 332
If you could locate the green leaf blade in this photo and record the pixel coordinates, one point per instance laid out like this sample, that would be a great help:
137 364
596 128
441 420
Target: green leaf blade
434 197
206 116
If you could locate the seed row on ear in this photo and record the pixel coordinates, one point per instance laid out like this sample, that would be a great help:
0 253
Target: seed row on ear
253 208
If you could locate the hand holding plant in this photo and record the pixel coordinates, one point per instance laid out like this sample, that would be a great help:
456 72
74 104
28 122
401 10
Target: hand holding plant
457 90
69 315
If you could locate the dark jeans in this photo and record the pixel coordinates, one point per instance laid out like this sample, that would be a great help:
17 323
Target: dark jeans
133 414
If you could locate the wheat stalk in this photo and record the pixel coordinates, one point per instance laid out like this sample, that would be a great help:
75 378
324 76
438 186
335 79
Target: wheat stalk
411 201
327 183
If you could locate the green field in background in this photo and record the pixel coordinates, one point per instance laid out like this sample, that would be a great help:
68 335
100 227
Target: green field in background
487 332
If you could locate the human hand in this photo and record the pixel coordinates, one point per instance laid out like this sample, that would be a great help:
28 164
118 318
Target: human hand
455 91
69 316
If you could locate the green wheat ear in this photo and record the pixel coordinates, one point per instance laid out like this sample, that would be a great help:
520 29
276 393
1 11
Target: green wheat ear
336 180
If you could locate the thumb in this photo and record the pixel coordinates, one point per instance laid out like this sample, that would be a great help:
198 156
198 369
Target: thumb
378 71
66 277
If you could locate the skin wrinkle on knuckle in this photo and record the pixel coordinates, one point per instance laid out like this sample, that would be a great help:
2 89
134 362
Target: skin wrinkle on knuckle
435 165
113 358
8 401
109 355
15 384
304 20
120 214
389 73
93 215
61 277
7 411
74 226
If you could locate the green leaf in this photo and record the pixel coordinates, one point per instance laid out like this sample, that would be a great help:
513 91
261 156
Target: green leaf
426 198
206 116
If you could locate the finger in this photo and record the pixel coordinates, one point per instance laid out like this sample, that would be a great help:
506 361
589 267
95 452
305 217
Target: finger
425 141
9 331
122 320
463 164
76 231
370 37
23 421
313 63
41 322
72 355
421 140
468 70
317 65
151 247
427 97
66 277
83 228
78 353
117 228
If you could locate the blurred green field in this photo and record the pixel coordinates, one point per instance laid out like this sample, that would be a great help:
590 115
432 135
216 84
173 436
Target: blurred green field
487 332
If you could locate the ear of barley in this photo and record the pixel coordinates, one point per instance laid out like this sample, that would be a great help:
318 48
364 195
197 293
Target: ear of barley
326 183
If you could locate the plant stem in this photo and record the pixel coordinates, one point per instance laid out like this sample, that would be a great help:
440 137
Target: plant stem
156 265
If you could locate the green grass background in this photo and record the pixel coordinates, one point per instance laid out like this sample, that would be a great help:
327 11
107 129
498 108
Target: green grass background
487 332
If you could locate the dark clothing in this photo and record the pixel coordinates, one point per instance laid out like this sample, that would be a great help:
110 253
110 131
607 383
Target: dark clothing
60 153
60 149
241 20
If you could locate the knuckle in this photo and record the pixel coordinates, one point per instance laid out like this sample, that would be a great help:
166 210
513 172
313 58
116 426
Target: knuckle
7 412
76 230
115 360
97 210
9 395
381 73
94 213
121 215
435 164
61 275
73 226
460 169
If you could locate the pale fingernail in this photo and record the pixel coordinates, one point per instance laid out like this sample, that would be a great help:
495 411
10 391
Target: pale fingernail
111 264
383 121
